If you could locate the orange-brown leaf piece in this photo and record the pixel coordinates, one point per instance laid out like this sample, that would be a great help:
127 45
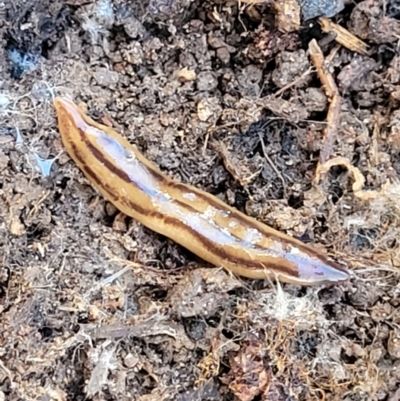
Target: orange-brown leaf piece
249 375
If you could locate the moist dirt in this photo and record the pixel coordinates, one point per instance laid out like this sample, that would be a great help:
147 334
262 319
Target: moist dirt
94 306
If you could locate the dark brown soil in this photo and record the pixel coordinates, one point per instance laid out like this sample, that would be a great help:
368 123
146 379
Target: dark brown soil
95 306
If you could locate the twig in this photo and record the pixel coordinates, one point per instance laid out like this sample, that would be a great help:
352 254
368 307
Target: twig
35 208
271 163
295 82
343 36
332 92
203 152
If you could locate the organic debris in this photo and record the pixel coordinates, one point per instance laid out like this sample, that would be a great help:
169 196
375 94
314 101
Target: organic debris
246 100
332 119
343 36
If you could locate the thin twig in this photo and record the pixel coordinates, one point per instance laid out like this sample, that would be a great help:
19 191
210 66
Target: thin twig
332 92
295 82
343 36
271 163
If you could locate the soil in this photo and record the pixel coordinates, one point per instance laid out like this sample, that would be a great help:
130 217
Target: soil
95 306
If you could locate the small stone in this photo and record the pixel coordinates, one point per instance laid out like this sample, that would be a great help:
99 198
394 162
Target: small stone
207 108
106 77
203 111
393 346
249 79
223 55
314 99
94 313
206 81
316 8
16 227
133 27
290 67
186 75
4 159
130 361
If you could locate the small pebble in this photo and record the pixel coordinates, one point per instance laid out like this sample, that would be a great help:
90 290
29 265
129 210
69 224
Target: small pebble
317 8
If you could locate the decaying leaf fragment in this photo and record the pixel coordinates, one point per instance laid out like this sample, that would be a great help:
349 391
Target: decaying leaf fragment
185 75
98 376
209 365
201 292
249 375
343 36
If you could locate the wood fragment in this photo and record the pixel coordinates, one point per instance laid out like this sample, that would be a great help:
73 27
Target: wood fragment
287 15
271 163
293 83
343 36
332 92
